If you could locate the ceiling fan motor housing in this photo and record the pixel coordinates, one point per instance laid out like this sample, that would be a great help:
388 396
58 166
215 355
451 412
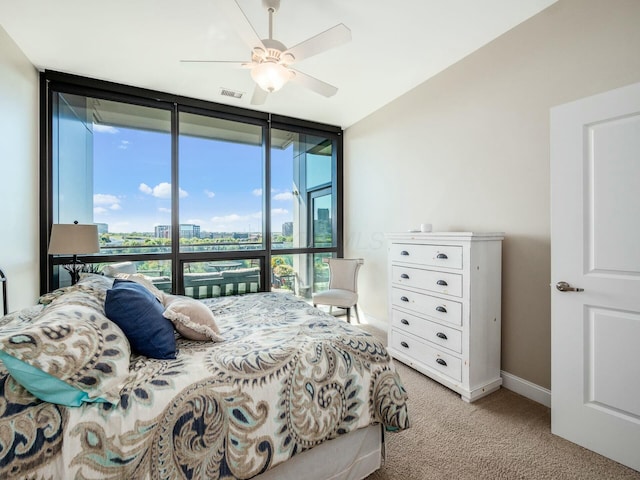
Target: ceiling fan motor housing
274 52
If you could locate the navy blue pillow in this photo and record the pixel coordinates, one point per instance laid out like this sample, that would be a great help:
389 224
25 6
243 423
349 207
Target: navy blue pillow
139 314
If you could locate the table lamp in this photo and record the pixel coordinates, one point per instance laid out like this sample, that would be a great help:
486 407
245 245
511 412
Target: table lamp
73 239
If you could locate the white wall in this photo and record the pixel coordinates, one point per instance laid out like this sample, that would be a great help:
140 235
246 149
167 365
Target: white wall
18 174
469 150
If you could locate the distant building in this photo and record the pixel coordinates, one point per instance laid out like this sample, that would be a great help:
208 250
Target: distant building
322 226
323 215
287 229
102 228
163 231
187 230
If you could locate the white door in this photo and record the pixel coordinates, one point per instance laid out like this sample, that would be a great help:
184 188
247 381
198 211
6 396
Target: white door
595 246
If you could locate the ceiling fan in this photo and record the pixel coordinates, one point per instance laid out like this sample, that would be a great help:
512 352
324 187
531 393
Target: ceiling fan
271 60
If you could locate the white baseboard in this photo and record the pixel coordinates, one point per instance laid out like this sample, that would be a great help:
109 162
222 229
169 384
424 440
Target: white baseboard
526 389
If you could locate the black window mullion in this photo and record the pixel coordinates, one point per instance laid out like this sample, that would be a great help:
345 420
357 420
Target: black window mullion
266 199
338 199
177 280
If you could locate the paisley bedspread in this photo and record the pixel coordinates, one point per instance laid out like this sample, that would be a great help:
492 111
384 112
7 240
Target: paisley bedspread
286 378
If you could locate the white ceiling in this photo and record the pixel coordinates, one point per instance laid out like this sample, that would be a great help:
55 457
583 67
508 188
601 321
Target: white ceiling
396 45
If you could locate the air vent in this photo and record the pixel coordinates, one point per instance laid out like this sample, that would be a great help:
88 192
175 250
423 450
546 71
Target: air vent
230 93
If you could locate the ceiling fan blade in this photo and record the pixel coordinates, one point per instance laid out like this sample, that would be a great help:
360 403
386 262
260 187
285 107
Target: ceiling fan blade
259 96
334 37
232 62
312 83
241 23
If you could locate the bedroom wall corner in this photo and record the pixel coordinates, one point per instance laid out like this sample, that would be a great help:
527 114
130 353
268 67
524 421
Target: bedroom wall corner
19 97
469 150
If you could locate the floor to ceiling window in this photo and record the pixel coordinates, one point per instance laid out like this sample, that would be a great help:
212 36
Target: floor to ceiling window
203 199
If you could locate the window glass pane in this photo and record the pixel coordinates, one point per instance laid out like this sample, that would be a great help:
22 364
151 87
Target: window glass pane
300 164
221 183
221 278
156 271
112 167
301 274
319 161
322 223
321 272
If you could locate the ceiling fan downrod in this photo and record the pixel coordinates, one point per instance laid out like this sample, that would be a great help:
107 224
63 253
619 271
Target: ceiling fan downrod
272 7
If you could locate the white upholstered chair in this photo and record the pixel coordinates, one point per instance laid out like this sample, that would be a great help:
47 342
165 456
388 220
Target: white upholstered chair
343 286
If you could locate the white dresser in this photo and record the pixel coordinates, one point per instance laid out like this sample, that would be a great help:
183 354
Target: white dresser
444 307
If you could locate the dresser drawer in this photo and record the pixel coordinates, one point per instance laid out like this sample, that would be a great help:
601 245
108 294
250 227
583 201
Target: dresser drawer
428 255
434 307
423 353
446 337
434 281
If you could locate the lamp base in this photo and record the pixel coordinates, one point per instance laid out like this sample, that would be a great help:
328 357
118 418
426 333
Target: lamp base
74 269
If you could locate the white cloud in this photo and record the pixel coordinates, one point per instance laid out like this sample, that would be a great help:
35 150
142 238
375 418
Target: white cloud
104 129
195 221
279 211
162 190
257 192
104 201
144 188
209 194
164 210
234 222
283 196
124 144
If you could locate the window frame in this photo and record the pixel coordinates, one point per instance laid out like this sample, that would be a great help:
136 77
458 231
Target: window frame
57 82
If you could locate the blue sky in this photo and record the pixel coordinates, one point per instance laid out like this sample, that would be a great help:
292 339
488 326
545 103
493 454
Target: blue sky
220 182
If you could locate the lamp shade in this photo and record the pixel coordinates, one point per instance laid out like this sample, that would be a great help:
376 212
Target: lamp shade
270 76
73 239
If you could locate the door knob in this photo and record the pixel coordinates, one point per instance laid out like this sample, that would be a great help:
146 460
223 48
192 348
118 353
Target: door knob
565 287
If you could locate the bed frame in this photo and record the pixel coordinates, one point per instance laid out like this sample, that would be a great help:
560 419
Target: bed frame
353 456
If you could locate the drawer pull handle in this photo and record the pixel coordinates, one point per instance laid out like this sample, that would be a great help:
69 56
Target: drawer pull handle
405 253
442 256
404 344
441 309
441 335
404 321
404 299
404 275
442 283
441 362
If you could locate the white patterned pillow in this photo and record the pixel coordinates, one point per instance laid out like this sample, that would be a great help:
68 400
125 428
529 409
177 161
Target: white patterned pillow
69 354
191 318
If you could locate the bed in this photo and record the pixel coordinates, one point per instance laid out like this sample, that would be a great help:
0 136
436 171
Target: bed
285 387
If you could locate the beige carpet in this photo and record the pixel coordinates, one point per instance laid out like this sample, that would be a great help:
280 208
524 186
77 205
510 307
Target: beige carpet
501 436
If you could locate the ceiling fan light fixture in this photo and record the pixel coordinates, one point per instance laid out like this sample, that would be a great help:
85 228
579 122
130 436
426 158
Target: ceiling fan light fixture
270 76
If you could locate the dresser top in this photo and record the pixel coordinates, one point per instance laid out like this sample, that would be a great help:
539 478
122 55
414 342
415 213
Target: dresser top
420 236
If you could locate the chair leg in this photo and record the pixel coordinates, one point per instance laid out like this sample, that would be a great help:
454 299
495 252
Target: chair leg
355 308
348 314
